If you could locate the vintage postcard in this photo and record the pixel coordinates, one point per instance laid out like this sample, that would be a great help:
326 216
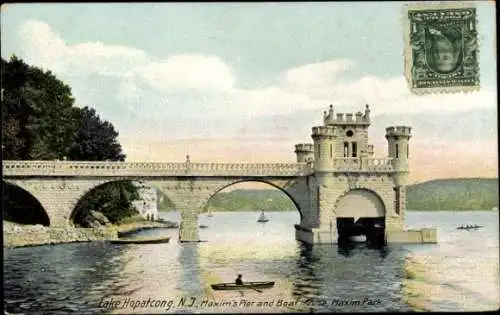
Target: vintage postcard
249 157
441 47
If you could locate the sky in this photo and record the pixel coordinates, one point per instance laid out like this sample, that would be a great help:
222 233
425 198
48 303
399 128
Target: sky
245 82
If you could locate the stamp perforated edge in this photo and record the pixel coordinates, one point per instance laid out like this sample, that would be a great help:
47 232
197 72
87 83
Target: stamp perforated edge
408 56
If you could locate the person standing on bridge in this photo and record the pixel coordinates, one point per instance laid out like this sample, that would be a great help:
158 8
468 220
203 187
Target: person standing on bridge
238 280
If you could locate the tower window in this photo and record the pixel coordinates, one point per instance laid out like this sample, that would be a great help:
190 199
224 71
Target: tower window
397 151
331 150
319 149
354 149
349 133
346 148
397 199
408 150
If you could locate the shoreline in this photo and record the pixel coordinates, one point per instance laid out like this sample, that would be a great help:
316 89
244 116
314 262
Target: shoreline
19 235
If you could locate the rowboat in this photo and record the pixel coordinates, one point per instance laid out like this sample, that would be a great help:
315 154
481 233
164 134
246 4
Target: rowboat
468 227
156 240
245 286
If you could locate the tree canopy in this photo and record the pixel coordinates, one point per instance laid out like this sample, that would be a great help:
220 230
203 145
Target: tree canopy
41 122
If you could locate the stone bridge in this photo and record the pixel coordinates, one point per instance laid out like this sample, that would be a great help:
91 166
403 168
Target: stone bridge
336 183
59 185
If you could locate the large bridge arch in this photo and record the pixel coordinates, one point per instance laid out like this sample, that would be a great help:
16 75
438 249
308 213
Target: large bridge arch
96 185
21 206
275 184
360 203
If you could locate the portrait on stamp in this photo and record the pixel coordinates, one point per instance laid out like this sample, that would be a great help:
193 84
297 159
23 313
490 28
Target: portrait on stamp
441 48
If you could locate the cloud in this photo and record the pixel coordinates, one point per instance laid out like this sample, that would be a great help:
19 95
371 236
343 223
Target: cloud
317 76
179 97
44 48
181 85
187 72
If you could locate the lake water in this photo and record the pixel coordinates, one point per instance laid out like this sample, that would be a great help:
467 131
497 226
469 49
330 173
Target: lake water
165 278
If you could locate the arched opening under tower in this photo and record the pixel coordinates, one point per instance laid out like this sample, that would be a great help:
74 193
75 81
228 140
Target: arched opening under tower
250 211
108 203
19 206
361 218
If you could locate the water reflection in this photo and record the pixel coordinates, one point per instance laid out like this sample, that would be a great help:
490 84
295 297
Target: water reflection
190 275
72 278
349 249
55 279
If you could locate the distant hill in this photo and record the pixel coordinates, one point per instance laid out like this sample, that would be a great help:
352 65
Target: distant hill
453 194
251 200
439 194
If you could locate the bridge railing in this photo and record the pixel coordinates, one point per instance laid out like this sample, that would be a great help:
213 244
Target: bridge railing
85 168
363 164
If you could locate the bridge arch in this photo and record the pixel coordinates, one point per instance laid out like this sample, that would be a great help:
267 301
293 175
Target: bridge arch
21 206
257 180
94 197
360 202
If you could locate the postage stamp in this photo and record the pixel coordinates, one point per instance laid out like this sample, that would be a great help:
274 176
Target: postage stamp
441 47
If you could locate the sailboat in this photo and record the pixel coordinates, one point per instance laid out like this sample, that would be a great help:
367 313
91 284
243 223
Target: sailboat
494 209
262 218
210 213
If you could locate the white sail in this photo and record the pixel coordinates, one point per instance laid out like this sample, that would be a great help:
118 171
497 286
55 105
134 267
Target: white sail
262 217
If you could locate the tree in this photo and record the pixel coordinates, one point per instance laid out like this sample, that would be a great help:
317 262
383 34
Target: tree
38 113
95 139
40 122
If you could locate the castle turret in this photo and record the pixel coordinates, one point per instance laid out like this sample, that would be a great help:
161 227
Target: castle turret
324 148
305 152
398 149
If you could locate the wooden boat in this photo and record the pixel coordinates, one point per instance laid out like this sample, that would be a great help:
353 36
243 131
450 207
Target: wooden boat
256 285
358 238
202 226
469 227
262 218
155 240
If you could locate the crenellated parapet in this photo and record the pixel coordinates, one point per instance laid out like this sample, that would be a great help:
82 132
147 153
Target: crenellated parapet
398 131
323 132
357 118
304 152
303 147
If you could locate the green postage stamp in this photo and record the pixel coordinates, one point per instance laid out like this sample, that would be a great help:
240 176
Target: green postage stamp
441 47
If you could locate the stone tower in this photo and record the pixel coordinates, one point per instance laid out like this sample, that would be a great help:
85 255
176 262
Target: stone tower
352 133
304 152
324 148
398 150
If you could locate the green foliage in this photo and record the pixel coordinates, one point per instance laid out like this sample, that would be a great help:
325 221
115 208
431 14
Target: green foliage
251 200
40 122
95 139
132 219
114 200
37 109
453 194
